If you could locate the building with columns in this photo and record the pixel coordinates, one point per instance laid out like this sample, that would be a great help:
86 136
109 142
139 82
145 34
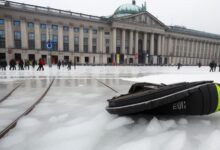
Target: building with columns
130 36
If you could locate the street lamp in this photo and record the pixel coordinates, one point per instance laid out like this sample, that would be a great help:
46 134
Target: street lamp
49 47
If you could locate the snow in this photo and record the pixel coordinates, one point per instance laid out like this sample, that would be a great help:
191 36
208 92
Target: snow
72 115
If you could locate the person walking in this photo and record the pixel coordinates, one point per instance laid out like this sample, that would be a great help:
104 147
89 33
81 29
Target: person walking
211 65
59 64
69 65
40 65
21 65
34 63
199 64
3 64
12 64
178 66
26 64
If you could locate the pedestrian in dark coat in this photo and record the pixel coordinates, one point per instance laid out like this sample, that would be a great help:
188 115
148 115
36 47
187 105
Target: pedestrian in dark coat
26 64
211 65
69 65
59 64
21 65
3 64
178 65
34 63
12 64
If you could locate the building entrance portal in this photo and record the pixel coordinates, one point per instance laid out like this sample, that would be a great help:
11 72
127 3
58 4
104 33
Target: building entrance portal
54 59
2 56
17 56
31 57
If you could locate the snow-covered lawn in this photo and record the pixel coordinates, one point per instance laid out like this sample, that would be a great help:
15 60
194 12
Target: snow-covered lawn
72 116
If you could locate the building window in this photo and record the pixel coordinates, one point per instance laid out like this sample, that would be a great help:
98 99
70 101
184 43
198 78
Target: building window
31 42
76 29
55 42
65 43
2 39
94 43
94 31
2 21
17 23
43 41
107 33
76 44
86 60
17 39
65 28
30 25
107 47
85 30
43 26
85 46
55 27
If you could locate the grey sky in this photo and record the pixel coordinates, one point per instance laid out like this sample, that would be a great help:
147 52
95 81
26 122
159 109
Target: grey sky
201 15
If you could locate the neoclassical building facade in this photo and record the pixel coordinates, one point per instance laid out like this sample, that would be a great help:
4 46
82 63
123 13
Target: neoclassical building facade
130 36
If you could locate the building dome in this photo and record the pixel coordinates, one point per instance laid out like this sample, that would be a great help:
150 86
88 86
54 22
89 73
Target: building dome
127 9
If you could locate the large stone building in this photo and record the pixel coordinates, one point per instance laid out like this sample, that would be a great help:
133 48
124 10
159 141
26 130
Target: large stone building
130 36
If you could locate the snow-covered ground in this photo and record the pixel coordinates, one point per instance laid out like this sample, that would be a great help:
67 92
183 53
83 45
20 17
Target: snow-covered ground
72 116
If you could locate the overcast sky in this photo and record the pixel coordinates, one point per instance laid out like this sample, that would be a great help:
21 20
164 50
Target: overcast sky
203 15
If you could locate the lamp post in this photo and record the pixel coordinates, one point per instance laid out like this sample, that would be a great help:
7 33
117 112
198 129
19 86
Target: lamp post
49 47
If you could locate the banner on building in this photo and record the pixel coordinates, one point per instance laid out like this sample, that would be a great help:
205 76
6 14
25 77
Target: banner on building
117 58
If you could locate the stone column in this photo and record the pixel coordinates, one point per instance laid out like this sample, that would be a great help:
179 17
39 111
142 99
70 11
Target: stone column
218 51
71 38
81 36
170 46
131 42
37 34
200 50
145 43
90 39
9 38
208 50
180 47
24 37
188 48
60 37
48 30
152 44
123 41
196 49
213 51
203 49
192 50
100 49
159 45
136 42
163 45
175 48
114 40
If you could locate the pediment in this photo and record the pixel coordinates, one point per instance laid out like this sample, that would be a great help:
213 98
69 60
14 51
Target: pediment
144 18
